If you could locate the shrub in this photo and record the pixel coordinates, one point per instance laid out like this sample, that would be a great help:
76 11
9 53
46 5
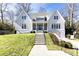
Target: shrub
6 28
68 45
68 35
62 43
65 44
32 31
45 32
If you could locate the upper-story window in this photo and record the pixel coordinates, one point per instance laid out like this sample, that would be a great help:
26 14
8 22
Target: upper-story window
45 18
23 17
55 17
39 18
42 18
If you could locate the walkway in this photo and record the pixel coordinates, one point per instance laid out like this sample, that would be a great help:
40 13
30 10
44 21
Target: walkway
39 39
41 50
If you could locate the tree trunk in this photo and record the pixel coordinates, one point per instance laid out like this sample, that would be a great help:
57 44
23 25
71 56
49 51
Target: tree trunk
2 16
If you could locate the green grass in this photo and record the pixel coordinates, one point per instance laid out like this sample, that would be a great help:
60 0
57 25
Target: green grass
16 44
52 46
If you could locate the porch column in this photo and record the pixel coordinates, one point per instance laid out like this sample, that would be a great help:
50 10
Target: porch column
36 26
43 26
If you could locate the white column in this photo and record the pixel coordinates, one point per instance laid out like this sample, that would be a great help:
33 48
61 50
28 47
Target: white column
36 26
43 26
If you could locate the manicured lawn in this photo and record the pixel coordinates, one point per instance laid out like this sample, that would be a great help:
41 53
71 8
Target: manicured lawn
52 46
16 44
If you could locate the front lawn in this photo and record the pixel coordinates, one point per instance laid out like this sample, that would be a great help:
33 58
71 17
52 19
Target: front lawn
16 44
52 46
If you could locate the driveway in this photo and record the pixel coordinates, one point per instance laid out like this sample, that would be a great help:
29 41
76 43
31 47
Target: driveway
75 44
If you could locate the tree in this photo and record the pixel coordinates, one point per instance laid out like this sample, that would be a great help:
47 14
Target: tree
11 15
3 7
23 6
72 12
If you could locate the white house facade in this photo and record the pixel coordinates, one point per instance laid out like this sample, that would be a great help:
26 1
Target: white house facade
51 22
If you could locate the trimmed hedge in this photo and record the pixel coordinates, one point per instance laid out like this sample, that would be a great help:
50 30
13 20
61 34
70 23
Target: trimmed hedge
66 44
45 32
32 31
62 43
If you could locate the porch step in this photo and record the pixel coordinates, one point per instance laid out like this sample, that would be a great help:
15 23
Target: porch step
39 31
39 39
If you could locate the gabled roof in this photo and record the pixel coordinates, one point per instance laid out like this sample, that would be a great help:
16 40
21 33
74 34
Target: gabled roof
60 16
56 12
48 15
23 11
35 15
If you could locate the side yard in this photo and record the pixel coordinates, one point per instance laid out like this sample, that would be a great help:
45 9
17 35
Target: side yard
51 46
16 44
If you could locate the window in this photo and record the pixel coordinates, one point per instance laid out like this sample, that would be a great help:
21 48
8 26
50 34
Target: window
55 26
34 26
45 18
55 17
40 18
45 26
23 17
23 26
52 26
59 26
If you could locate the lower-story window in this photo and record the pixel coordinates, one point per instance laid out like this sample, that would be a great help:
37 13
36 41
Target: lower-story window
34 26
55 26
23 26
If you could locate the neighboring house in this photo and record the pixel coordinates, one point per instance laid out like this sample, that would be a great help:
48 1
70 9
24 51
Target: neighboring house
51 22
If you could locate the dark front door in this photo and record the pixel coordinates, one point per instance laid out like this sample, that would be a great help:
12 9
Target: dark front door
40 27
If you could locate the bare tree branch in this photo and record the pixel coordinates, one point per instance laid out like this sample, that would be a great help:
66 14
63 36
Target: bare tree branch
24 6
3 7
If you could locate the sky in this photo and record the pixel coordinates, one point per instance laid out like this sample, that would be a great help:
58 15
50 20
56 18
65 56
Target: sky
48 6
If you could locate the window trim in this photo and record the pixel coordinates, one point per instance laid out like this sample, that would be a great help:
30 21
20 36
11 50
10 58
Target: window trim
23 26
56 17
23 17
56 26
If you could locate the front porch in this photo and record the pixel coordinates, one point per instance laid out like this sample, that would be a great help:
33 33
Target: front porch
39 26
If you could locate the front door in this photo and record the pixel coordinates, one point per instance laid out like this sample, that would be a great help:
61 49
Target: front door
39 27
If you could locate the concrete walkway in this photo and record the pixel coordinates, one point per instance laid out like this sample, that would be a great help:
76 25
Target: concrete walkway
41 50
39 39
